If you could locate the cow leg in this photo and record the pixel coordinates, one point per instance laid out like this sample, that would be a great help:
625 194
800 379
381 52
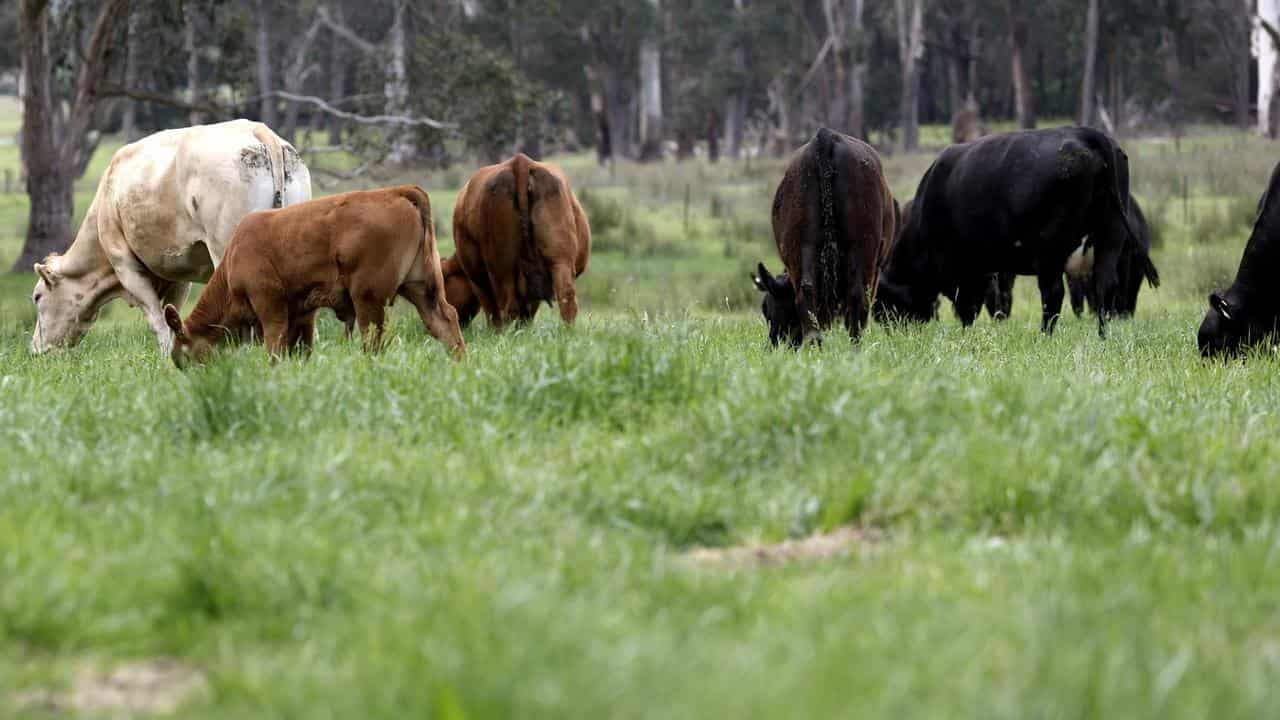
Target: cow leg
371 315
856 313
477 274
1051 296
1077 289
302 334
140 284
969 298
273 314
566 294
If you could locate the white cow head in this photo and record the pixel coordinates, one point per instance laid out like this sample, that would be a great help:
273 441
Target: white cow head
65 306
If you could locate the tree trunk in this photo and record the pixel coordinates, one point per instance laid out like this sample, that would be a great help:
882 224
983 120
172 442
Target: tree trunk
910 14
193 60
337 79
735 109
858 72
55 145
1019 46
616 111
262 18
1089 82
129 121
1243 60
834 16
651 95
397 87
1268 12
713 138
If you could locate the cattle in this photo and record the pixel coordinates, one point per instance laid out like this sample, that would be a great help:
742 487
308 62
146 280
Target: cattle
834 223
1013 203
457 289
522 239
1248 312
1121 302
353 253
161 219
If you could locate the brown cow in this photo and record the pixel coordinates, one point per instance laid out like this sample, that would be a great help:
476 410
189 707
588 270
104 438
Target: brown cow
522 239
834 221
457 288
353 252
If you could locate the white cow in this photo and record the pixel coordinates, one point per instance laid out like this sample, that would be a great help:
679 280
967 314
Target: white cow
161 219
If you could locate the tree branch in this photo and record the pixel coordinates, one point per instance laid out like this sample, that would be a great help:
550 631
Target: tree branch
344 32
324 106
107 91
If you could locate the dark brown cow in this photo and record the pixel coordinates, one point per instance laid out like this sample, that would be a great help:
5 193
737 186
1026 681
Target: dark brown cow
834 223
353 252
522 239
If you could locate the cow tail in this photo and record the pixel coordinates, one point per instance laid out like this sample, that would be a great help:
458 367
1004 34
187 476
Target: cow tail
533 270
821 283
1119 198
275 156
422 201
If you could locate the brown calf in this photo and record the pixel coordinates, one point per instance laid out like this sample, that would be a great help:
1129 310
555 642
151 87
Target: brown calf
522 239
353 252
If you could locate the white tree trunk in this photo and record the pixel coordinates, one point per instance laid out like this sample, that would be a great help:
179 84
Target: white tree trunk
1265 50
397 86
651 95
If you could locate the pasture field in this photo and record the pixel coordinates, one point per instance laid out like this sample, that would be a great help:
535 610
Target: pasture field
1046 527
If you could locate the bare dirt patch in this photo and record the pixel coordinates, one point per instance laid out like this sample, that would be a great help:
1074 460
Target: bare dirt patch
157 686
815 547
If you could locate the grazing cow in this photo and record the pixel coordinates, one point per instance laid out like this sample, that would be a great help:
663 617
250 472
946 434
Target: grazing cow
1013 203
834 223
1248 312
353 252
522 239
457 289
1121 302
161 219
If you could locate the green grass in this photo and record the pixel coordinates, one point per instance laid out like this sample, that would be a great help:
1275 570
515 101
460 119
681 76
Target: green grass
1070 527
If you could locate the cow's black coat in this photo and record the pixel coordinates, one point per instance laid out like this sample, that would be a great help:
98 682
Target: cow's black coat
1014 203
1248 312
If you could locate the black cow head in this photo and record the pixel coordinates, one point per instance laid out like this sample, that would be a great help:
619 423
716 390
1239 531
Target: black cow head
779 307
898 302
1229 329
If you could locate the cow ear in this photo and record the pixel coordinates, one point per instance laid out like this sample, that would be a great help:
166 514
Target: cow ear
762 279
1217 302
46 273
174 321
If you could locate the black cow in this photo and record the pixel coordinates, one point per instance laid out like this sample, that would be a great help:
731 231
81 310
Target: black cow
834 223
1122 302
1013 203
1248 312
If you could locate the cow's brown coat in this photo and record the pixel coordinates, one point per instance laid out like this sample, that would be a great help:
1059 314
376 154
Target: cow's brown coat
522 239
353 252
